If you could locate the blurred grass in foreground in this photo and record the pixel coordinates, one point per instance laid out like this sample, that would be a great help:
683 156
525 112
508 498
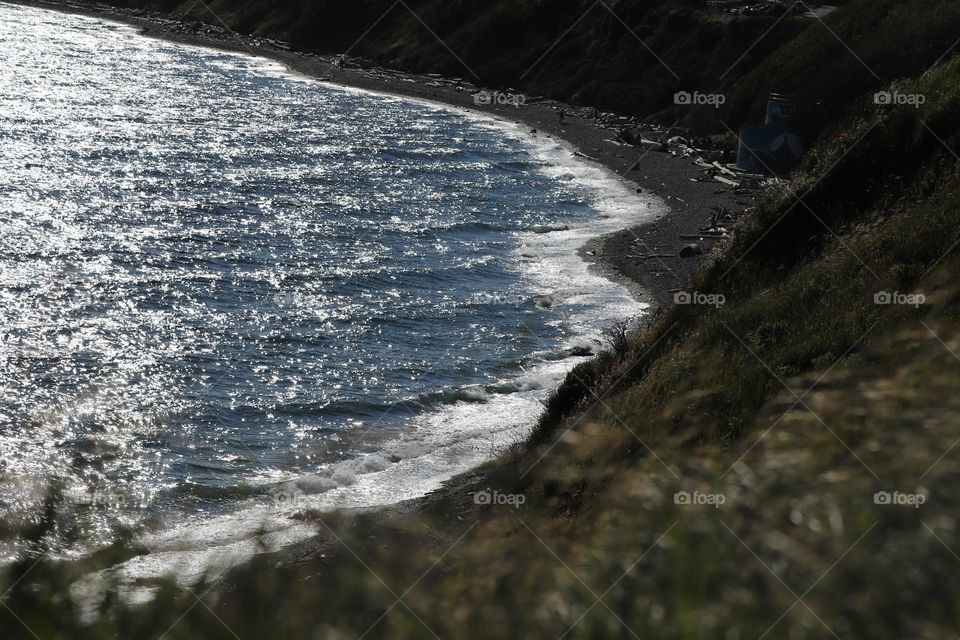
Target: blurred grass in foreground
782 466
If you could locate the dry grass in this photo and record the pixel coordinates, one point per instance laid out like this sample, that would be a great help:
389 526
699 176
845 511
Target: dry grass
796 401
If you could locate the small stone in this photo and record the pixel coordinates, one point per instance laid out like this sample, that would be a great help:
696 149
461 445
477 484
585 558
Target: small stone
690 250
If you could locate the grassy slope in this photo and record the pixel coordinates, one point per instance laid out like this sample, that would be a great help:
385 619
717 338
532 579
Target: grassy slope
693 415
796 400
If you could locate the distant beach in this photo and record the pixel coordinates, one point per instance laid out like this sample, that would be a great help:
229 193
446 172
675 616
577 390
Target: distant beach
646 257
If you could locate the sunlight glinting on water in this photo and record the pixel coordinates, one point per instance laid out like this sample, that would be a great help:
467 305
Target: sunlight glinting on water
217 279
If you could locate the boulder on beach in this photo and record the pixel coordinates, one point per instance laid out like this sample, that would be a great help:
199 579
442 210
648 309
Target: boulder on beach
690 250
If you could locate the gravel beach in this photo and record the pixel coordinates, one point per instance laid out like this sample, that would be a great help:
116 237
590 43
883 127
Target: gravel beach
645 257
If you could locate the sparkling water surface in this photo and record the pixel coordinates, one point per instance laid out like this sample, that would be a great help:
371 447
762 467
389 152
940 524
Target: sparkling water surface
225 286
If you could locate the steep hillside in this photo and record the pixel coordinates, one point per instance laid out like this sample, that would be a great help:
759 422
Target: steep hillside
815 422
629 56
776 461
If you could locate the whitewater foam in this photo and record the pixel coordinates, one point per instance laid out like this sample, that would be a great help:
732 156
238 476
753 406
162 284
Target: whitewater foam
474 423
443 442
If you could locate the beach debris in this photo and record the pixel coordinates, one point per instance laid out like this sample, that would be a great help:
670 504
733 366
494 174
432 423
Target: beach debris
720 215
726 181
580 351
723 169
706 235
690 250
772 8
716 227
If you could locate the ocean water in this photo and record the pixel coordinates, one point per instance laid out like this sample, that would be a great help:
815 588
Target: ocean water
229 293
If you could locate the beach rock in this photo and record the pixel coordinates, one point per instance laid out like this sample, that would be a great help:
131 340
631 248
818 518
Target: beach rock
690 250
544 301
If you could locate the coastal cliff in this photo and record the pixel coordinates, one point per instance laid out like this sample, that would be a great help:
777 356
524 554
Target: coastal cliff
772 455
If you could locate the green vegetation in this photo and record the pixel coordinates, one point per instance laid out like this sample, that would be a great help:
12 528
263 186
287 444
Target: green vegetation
793 403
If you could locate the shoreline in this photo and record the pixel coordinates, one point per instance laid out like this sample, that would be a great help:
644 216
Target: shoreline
673 181
644 257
